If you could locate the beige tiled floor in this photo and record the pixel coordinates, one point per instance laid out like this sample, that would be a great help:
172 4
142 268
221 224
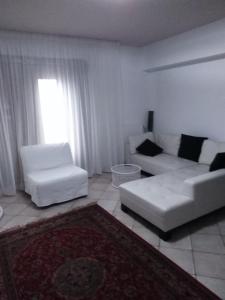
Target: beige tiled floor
199 247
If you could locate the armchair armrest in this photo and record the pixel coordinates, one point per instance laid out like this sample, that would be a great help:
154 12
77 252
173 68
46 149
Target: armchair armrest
209 185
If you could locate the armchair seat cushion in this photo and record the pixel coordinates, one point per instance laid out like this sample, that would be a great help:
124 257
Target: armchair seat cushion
57 184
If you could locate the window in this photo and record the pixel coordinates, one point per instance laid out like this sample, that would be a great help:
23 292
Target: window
53 111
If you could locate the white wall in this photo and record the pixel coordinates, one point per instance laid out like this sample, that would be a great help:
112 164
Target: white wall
201 42
137 100
189 99
192 100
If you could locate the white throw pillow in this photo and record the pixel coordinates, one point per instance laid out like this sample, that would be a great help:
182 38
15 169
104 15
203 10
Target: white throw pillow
169 142
135 141
209 150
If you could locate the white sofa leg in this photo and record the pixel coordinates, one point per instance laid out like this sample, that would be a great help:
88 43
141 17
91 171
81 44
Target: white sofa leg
164 235
124 208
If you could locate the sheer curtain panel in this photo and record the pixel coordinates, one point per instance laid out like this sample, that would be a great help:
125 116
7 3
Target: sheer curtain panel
77 82
7 179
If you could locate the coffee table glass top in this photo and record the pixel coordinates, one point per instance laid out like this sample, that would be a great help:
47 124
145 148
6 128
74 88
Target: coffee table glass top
125 169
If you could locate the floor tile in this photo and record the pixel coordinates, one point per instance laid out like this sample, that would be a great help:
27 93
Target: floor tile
210 265
108 205
141 222
221 225
182 258
124 218
32 211
111 188
108 195
208 243
18 198
76 203
103 179
223 237
14 209
180 240
147 235
19 221
99 186
206 225
93 194
4 204
117 208
137 223
54 210
7 200
5 218
216 285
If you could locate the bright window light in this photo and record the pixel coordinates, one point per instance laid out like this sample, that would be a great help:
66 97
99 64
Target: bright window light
53 111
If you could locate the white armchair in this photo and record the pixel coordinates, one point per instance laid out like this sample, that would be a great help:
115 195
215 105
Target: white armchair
50 175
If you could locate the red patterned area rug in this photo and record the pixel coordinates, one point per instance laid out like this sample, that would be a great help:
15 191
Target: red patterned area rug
87 254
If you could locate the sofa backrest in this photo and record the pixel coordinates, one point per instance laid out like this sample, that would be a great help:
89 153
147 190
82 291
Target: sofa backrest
170 143
40 157
209 150
136 140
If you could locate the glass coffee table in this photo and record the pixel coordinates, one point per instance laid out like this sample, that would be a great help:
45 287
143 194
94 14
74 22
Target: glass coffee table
124 173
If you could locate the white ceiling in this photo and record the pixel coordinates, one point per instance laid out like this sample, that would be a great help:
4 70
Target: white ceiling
132 22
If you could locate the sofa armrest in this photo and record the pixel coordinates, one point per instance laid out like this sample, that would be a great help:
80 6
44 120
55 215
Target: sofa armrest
209 185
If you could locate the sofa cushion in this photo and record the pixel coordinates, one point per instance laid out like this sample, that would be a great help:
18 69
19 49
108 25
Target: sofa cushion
209 150
135 141
218 162
174 180
161 163
190 147
169 142
149 148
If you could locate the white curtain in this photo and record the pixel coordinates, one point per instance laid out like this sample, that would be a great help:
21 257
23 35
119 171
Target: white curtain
7 179
88 76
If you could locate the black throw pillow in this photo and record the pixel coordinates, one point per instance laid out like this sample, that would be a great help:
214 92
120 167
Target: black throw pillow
190 147
218 162
149 148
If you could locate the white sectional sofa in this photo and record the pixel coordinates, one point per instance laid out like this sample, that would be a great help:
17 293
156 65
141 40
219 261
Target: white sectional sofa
181 191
